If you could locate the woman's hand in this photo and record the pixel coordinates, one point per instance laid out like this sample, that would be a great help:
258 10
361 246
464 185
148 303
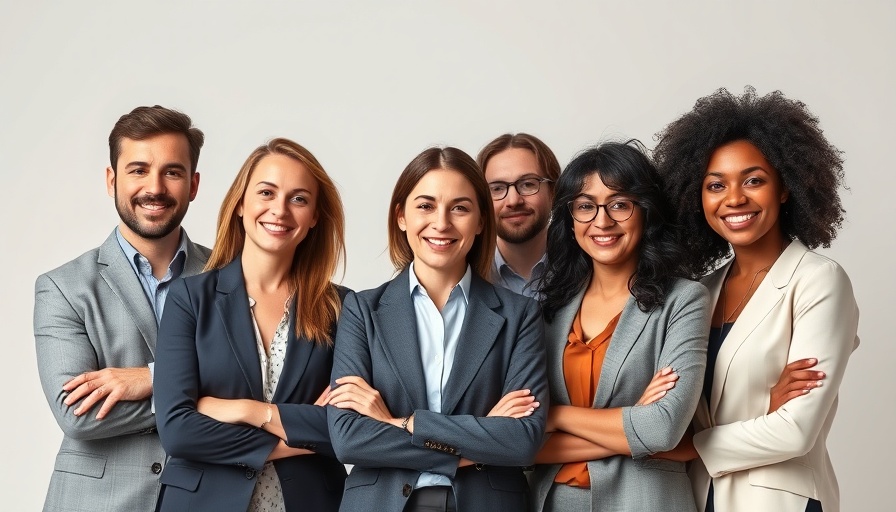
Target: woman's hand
796 380
684 452
356 394
516 404
662 382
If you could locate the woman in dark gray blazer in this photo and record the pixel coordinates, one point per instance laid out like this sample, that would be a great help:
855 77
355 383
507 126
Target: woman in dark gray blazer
626 341
245 350
437 374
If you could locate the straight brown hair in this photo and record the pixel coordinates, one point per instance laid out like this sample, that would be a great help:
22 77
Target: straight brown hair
546 159
316 258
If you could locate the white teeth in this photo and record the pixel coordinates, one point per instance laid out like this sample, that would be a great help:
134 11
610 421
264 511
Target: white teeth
734 219
153 206
274 227
439 241
603 238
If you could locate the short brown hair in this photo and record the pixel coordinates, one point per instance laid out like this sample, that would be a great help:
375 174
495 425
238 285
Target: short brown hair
316 258
483 251
144 122
543 154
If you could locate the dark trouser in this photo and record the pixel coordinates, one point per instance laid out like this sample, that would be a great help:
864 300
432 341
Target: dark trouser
811 506
431 499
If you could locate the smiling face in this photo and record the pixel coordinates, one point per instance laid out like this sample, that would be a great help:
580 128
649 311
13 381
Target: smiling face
742 196
609 243
279 206
152 185
519 218
441 220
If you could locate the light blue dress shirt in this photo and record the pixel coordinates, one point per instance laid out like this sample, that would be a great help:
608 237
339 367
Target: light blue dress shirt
438 334
505 277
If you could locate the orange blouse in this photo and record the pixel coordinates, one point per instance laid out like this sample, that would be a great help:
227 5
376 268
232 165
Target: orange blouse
582 361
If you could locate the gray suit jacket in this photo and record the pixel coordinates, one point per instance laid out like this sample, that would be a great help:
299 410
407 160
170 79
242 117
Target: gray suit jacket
674 334
89 314
500 350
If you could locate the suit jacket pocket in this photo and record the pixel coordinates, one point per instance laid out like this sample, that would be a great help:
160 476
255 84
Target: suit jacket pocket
183 477
672 466
359 477
790 476
80 463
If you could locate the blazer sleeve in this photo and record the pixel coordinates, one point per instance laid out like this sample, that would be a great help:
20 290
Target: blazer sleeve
64 350
500 441
358 439
184 432
659 426
825 321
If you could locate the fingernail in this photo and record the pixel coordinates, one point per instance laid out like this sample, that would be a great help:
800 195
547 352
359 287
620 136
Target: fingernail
819 383
813 360
820 375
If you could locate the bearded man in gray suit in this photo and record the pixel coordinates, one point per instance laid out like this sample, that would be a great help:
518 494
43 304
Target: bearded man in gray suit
96 317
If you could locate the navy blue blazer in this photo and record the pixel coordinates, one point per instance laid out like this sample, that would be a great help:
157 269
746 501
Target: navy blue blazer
501 349
207 347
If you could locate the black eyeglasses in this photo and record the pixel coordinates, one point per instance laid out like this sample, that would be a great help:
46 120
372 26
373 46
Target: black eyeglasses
584 210
523 186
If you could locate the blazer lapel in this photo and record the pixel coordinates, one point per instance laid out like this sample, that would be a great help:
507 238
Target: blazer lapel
766 297
627 332
196 258
479 331
232 304
557 337
298 353
119 275
396 327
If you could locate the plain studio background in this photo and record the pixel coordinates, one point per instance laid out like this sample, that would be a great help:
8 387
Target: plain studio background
367 85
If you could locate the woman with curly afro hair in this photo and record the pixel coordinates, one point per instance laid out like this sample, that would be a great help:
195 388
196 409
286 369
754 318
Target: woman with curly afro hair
755 176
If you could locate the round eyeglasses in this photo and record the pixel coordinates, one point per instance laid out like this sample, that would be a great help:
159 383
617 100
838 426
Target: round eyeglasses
584 210
523 186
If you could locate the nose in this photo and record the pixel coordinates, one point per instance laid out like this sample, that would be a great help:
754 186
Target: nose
278 207
442 220
513 197
602 219
155 184
735 197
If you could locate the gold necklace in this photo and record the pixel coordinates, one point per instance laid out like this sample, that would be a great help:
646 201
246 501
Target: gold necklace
744 298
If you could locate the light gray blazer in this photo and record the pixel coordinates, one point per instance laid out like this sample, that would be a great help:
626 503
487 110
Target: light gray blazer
673 334
89 314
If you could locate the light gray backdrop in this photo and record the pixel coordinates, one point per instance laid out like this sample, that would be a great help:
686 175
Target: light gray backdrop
367 85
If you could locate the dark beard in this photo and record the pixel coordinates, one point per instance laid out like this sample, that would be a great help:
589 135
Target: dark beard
152 232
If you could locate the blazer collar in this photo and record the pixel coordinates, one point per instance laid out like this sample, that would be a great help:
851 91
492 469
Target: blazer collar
628 330
766 297
118 274
478 334
396 324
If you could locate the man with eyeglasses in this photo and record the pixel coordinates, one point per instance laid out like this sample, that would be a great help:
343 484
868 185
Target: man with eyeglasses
520 170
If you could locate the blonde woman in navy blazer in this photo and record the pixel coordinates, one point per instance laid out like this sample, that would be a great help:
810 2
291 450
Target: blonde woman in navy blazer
755 176
245 350
487 422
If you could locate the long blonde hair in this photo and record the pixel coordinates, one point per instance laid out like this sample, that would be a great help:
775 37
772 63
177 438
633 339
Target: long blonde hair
316 258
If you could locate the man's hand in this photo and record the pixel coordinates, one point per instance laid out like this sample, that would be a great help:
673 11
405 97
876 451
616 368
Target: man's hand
111 384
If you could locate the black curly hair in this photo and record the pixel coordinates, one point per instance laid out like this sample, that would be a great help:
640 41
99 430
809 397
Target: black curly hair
623 167
789 137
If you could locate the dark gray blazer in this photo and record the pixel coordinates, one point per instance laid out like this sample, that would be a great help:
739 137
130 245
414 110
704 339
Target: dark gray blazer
500 350
674 334
207 347
89 314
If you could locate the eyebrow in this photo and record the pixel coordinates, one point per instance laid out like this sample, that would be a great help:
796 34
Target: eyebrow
527 176
615 195
748 170
433 199
172 165
274 185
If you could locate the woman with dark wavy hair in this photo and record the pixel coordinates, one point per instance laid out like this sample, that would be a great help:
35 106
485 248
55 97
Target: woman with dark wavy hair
625 337
755 176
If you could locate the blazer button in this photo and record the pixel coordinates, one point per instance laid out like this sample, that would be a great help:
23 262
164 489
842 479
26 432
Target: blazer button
156 468
250 474
406 490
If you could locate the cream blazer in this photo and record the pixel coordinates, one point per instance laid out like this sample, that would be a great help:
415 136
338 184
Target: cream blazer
757 461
